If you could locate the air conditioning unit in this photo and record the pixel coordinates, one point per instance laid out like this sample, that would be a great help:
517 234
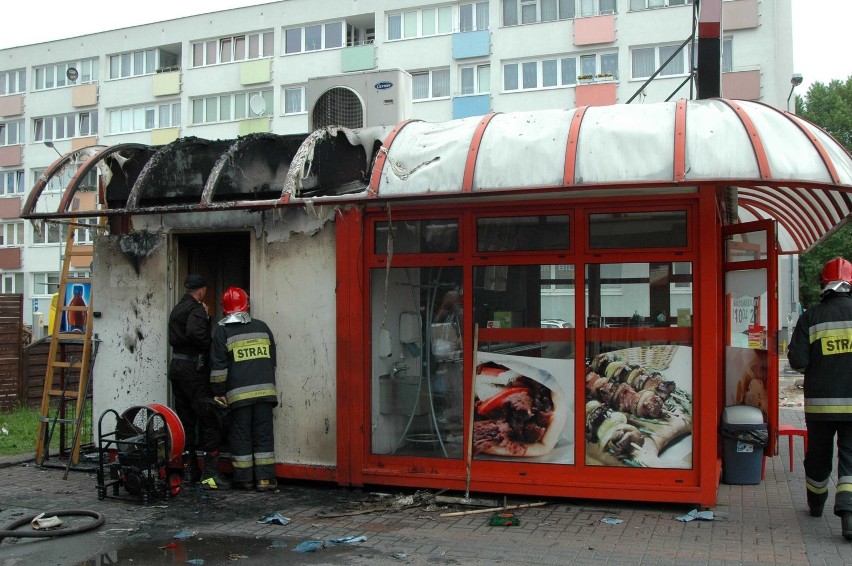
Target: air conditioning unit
359 100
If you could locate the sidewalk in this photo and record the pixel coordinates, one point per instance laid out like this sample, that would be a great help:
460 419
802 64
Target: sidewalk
754 524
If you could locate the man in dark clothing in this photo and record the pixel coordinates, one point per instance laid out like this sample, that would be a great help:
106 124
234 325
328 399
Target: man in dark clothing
189 374
242 361
821 348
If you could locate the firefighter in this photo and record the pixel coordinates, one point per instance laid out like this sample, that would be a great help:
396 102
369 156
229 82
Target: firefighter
821 348
242 359
189 374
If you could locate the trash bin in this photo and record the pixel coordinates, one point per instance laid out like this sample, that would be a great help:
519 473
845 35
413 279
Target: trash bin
745 436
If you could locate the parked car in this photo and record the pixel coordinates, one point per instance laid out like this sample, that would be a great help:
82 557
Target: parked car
556 323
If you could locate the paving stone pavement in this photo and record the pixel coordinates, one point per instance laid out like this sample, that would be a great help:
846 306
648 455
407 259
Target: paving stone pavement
753 524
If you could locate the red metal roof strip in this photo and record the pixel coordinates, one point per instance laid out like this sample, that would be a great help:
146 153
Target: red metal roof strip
381 158
761 212
679 166
571 147
87 166
473 151
794 213
823 154
756 143
42 182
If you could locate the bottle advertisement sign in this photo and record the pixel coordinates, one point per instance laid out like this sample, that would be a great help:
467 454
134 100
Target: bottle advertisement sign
76 295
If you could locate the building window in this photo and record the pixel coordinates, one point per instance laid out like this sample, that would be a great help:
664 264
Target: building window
727 54
316 37
55 76
13 82
83 236
234 48
11 234
45 283
65 127
233 106
651 4
12 283
11 182
294 100
473 16
475 79
430 84
48 232
141 118
420 23
548 73
147 62
12 133
533 11
646 60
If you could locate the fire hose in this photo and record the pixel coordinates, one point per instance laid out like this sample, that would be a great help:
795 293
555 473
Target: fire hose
10 532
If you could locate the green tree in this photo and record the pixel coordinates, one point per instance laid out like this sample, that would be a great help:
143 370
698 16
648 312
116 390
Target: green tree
830 107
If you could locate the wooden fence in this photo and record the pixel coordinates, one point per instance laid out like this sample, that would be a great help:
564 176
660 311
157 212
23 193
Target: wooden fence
11 350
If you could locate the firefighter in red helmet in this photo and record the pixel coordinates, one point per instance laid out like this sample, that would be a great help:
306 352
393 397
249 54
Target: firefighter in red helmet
242 373
821 348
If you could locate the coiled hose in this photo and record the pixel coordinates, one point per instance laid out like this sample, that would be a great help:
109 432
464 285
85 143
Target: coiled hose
10 532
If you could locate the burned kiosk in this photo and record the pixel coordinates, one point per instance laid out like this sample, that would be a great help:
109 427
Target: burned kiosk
568 298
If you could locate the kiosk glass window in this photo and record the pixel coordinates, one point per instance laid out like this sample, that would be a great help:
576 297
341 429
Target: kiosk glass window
638 386
417 236
657 229
522 233
417 359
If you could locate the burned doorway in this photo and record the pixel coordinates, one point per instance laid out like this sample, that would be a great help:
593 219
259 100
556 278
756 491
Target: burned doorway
221 257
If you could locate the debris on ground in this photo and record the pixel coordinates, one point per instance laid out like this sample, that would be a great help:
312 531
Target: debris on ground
274 519
696 514
504 520
611 521
380 503
183 535
309 546
400 555
347 540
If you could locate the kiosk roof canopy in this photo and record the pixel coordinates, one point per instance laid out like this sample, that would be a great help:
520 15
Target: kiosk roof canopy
783 166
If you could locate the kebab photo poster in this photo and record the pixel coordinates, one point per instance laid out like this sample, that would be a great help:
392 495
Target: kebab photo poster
523 408
639 408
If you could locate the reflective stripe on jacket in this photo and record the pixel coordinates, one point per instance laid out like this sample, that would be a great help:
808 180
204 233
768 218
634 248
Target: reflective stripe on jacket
242 363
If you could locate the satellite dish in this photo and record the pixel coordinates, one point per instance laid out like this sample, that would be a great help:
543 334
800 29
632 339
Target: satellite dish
257 105
71 74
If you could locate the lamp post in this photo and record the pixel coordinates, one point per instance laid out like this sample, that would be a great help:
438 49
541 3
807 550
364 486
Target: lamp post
796 80
53 147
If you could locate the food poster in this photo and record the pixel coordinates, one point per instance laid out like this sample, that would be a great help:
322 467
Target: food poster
639 408
746 378
523 408
76 295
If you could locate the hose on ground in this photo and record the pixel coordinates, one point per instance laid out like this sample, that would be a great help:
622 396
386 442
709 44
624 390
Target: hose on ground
10 532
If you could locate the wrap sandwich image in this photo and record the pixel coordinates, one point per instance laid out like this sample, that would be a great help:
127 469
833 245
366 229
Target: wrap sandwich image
519 410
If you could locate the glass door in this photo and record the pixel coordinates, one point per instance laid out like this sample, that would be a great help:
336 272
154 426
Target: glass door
751 320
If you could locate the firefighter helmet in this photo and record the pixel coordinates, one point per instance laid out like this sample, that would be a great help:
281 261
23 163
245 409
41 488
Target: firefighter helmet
234 300
837 269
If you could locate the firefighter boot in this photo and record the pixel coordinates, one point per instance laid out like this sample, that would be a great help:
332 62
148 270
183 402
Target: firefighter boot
211 478
192 471
846 524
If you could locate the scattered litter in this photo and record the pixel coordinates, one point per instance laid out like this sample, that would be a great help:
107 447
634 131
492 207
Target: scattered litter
612 521
278 544
696 514
183 535
40 522
274 519
347 540
5 431
400 555
195 561
167 546
405 500
235 556
504 520
309 546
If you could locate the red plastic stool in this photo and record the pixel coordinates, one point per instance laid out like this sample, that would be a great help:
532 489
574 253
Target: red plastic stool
790 431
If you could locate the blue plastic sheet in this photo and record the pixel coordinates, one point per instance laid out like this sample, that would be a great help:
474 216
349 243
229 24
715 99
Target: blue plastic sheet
183 535
309 546
696 514
347 540
274 519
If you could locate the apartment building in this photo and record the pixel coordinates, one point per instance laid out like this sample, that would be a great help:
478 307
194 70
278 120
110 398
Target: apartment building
288 67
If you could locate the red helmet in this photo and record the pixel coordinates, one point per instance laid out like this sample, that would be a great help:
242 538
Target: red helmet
234 300
837 269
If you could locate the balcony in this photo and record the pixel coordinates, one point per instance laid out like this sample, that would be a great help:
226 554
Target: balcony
740 14
469 44
256 72
358 58
10 258
12 105
595 94
10 207
741 85
477 105
595 29
84 95
166 83
11 155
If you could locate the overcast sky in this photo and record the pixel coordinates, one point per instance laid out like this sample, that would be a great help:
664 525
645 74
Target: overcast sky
821 46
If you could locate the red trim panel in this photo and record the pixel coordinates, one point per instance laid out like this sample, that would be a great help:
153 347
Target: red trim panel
382 156
475 142
679 173
571 149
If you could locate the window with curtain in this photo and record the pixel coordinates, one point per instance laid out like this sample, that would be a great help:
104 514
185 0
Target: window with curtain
510 76
646 60
676 65
548 73
294 100
440 83
643 61
475 79
727 55
569 70
609 64
430 84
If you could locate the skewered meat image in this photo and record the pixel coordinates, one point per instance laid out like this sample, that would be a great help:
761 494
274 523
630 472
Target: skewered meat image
624 398
637 377
611 430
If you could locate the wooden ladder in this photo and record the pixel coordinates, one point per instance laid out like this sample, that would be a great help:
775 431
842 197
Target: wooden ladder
56 383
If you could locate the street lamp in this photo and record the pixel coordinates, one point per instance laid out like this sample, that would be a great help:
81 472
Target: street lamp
53 147
796 80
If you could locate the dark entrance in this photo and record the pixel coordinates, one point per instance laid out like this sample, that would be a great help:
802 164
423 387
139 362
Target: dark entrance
223 258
